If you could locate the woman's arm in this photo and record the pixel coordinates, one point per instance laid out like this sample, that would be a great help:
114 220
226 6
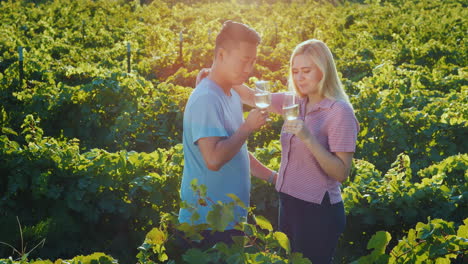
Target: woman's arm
246 94
336 165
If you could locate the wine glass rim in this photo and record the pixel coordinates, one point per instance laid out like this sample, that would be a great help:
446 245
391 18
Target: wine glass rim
262 85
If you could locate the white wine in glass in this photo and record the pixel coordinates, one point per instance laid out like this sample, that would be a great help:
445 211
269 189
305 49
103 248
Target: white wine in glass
262 100
290 106
262 95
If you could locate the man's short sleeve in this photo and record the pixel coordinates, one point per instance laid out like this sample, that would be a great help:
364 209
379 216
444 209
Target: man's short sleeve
207 118
343 129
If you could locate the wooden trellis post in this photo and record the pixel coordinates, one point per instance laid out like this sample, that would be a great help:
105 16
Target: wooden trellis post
83 24
128 57
20 66
181 40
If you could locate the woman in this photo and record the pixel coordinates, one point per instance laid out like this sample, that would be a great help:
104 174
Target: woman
317 151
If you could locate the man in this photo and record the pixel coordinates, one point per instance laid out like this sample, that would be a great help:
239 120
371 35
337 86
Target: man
215 134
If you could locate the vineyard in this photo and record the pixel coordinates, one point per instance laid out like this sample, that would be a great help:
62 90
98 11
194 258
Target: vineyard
92 97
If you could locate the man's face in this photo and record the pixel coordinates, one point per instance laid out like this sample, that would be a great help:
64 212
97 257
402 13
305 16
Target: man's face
238 62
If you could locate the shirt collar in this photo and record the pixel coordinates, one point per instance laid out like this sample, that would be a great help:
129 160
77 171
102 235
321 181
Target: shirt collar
325 103
215 87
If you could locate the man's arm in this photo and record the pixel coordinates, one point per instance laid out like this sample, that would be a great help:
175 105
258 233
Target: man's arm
217 151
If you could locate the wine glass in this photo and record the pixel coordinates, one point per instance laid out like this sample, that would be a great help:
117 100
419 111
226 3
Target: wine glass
290 106
262 95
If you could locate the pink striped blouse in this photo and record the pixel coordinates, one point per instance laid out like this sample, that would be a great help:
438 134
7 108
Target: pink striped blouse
336 127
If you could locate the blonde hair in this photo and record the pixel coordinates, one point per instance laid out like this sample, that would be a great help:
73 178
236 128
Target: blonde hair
330 86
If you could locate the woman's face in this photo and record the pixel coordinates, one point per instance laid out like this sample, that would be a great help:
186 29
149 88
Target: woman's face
306 75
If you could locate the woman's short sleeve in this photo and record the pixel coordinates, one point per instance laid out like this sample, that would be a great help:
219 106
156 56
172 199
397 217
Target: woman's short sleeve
342 129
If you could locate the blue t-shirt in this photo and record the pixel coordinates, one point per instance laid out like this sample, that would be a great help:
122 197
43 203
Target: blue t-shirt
212 113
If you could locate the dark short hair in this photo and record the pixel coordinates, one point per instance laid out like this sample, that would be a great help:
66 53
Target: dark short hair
233 33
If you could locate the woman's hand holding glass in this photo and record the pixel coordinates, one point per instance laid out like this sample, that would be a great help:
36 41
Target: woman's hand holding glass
202 74
297 128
